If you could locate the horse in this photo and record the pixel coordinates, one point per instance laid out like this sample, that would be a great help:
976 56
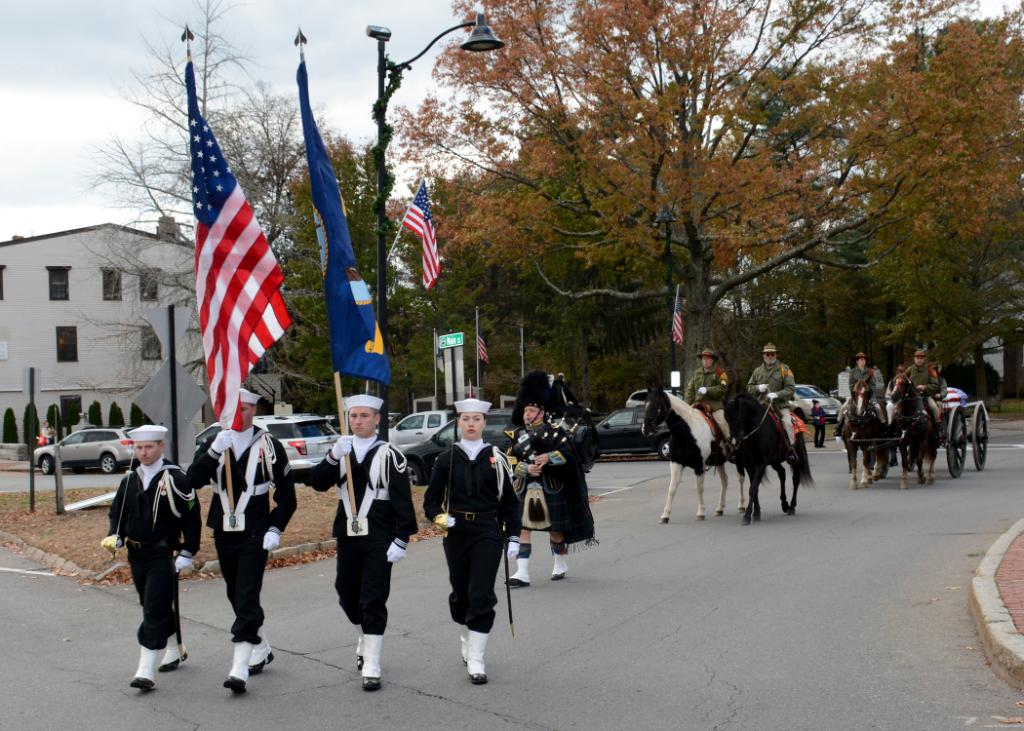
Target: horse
691 444
861 431
760 444
918 435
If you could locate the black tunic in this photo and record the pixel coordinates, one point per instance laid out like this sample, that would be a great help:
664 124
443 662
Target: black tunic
473 488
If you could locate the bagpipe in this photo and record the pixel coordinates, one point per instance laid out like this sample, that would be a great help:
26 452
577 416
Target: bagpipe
567 425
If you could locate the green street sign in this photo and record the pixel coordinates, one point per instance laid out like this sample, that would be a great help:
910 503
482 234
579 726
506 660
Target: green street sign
451 340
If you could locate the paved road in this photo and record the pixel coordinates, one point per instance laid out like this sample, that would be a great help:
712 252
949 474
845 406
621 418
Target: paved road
850 615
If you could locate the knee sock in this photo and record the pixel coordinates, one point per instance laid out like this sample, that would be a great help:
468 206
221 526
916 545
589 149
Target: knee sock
523 562
559 550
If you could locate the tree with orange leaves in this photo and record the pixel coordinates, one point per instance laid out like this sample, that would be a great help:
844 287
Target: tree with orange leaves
751 121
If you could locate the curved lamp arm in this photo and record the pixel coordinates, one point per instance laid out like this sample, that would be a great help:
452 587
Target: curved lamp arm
408 64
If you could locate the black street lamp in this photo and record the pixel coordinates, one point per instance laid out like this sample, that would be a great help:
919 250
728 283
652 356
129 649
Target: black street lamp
389 78
666 218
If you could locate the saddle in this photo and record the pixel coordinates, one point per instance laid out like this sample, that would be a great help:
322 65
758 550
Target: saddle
705 411
784 453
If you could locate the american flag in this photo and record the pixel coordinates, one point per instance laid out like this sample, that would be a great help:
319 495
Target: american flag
419 220
677 320
481 349
238 279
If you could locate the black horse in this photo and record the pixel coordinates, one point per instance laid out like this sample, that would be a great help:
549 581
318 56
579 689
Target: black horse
917 434
692 444
759 445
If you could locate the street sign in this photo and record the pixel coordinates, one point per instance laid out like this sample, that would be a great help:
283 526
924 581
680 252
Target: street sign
451 340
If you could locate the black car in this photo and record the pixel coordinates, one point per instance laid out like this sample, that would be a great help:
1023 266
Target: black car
421 456
619 433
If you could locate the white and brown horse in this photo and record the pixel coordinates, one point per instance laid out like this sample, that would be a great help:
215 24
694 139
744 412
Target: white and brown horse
692 444
864 430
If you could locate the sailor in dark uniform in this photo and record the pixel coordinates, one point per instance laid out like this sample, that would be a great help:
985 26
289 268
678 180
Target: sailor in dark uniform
471 497
153 508
245 527
384 520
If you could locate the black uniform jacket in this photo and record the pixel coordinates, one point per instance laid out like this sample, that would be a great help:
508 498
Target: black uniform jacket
391 519
136 520
472 488
259 516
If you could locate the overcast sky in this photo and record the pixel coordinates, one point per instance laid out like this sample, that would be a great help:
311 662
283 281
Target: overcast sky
63 62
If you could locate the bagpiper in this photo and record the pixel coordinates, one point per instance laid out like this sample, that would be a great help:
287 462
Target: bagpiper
373 532
550 481
155 514
245 527
708 387
470 497
773 383
925 377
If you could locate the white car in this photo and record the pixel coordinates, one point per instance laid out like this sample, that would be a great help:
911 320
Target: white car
806 393
417 427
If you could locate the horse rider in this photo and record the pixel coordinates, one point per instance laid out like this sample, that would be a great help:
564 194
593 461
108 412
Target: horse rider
773 383
860 372
708 387
925 377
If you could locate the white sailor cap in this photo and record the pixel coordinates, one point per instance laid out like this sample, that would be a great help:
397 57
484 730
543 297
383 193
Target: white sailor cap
248 397
148 433
472 405
364 399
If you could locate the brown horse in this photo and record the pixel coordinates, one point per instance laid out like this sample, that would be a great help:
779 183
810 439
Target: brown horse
862 430
917 436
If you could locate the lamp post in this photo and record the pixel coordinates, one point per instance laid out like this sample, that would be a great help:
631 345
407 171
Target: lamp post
389 77
666 218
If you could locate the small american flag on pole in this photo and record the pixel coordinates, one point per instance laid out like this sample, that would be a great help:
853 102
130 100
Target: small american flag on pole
419 220
677 320
481 349
238 279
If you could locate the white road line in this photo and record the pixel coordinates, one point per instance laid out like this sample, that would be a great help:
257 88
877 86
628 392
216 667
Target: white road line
28 572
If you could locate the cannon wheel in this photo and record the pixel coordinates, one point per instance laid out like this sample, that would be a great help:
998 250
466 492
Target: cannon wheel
979 436
956 443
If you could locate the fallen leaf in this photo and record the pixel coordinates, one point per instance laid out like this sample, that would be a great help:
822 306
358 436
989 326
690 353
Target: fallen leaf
1016 720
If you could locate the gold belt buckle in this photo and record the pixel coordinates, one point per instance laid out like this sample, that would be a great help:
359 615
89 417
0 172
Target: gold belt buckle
471 517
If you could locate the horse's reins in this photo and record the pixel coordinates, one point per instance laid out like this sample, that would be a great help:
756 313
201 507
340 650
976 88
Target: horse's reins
753 431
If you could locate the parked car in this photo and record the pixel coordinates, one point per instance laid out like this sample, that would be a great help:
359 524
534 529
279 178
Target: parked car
107 449
639 398
619 433
806 393
306 439
417 427
422 455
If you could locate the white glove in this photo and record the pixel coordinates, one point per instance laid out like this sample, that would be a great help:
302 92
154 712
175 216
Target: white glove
395 553
763 388
513 550
702 390
271 540
451 521
772 396
181 563
341 447
222 441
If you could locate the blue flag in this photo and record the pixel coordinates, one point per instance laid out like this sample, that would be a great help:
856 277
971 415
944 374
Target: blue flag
357 348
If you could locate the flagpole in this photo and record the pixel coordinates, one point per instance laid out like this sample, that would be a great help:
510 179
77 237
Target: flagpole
477 309
343 423
434 367
398 234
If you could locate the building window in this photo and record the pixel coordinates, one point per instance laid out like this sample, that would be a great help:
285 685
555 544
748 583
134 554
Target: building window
58 282
150 345
2 281
147 286
67 344
112 284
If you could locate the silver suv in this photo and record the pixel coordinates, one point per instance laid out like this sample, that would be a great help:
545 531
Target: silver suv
306 438
109 449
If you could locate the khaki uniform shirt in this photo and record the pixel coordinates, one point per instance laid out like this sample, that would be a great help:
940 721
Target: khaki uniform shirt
925 376
715 380
780 380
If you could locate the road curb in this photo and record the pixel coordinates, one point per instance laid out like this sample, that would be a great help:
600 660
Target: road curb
1003 643
55 562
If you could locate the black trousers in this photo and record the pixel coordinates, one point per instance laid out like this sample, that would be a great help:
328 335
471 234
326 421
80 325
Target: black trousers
153 574
473 552
819 436
242 562
363 582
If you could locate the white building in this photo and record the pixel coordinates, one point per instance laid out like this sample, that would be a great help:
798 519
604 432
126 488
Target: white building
72 304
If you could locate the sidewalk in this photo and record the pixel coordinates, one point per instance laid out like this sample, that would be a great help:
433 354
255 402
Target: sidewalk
997 604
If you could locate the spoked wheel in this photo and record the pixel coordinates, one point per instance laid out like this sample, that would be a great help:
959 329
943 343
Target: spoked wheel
956 443
979 436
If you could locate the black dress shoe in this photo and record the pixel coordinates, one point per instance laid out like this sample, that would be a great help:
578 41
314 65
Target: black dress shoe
235 685
359 662
478 679
516 583
371 683
558 577
258 667
173 664
142 683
